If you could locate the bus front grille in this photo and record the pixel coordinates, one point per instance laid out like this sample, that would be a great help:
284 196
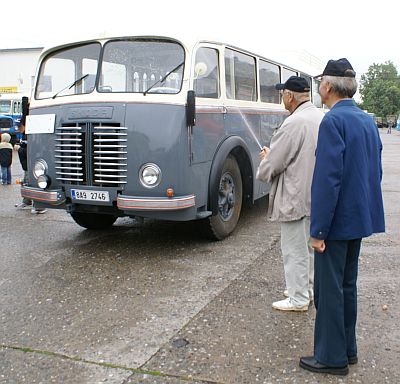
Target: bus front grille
92 154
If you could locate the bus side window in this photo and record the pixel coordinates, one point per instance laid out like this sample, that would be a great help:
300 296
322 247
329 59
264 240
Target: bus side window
240 76
206 83
316 97
286 73
269 77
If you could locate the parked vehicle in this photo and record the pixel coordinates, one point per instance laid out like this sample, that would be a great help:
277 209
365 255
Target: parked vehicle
152 127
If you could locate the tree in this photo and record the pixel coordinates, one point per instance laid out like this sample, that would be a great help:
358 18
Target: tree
380 90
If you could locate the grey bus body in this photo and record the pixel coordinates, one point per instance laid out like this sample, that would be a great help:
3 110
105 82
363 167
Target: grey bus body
95 159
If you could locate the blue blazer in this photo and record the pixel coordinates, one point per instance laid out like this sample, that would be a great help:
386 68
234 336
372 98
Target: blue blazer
346 196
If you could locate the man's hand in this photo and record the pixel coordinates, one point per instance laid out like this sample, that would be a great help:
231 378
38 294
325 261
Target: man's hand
318 245
263 153
16 147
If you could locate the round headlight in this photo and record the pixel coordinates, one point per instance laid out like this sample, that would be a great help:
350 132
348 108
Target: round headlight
42 181
39 168
150 175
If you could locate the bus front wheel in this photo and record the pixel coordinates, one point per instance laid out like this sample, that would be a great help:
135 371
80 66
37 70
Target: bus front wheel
93 220
230 195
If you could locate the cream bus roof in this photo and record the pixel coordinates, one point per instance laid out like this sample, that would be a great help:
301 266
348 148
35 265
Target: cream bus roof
298 60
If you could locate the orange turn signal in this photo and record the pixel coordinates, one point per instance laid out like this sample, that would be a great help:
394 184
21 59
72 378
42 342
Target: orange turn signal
170 192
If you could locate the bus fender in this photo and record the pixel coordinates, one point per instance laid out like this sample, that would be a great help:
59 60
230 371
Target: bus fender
224 149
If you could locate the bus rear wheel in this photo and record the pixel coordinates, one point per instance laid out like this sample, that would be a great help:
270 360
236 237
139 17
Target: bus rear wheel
230 195
93 220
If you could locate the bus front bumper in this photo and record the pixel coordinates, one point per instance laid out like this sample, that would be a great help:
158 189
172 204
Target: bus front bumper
134 203
52 197
124 203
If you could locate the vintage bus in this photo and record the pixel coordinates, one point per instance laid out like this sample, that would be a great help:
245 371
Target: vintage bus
152 127
10 111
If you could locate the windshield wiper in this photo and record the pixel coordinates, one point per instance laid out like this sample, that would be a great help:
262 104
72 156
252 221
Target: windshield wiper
70 86
163 78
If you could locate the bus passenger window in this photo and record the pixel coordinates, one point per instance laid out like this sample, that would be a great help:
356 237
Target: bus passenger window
316 97
206 83
240 76
286 73
269 77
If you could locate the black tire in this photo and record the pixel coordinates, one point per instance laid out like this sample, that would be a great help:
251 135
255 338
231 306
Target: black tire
230 196
93 220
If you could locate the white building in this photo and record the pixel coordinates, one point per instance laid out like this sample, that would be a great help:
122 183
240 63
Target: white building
17 70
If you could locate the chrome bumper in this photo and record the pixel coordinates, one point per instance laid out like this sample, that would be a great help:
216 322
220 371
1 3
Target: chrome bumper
154 203
125 203
52 197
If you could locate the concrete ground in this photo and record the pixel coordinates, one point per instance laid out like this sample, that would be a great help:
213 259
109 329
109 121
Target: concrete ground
155 303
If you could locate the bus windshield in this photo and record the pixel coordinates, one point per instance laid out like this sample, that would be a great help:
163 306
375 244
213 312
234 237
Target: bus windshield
137 65
5 106
61 69
127 66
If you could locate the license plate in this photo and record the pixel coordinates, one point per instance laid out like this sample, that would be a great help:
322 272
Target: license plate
82 194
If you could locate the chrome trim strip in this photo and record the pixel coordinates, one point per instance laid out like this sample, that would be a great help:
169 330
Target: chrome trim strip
155 204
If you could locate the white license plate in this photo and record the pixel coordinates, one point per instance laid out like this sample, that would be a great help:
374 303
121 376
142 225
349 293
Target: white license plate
82 194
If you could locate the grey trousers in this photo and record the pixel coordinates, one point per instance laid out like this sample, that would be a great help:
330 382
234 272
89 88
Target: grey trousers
298 260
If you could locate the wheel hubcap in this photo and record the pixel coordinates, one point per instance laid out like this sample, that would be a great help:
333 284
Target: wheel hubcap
226 196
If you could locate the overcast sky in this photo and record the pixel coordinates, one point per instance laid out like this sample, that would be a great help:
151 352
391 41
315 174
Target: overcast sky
365 33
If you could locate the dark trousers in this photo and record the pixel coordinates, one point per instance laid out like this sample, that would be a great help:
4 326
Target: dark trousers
335 295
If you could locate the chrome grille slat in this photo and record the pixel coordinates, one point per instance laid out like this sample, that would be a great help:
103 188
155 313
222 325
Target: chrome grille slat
69 133
109 158
68 179
108 134
70 173
70 151
110 182
101 163
69 157
110 176
69 145
75 168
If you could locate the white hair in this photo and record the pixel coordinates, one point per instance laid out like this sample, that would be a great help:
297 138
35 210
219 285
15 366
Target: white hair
342 86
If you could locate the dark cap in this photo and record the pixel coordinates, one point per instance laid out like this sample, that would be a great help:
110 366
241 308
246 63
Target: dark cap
295 84
339 68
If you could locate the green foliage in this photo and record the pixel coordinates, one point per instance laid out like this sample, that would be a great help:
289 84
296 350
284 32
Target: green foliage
380 89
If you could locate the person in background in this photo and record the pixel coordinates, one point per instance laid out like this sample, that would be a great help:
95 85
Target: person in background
389 130
288 164
346 205
22 147
6 153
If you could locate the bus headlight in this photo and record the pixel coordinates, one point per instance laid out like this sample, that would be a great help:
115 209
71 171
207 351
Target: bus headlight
39 168
150 175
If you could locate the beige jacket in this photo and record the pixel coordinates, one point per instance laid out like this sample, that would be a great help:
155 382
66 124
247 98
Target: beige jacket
290 163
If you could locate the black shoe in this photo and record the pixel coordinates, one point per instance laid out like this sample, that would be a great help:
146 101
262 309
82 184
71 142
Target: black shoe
352 359
310 364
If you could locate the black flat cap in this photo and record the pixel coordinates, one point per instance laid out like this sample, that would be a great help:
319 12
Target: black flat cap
295 84
339 68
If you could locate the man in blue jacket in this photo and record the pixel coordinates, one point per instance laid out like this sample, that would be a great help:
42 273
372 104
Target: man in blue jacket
346 205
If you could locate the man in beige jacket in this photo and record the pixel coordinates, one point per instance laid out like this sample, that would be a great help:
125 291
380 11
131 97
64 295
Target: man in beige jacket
288 165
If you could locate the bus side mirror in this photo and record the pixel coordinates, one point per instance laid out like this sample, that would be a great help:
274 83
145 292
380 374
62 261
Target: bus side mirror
191 109
25 107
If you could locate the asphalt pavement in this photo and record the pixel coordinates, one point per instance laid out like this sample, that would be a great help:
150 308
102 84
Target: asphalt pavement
154 302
